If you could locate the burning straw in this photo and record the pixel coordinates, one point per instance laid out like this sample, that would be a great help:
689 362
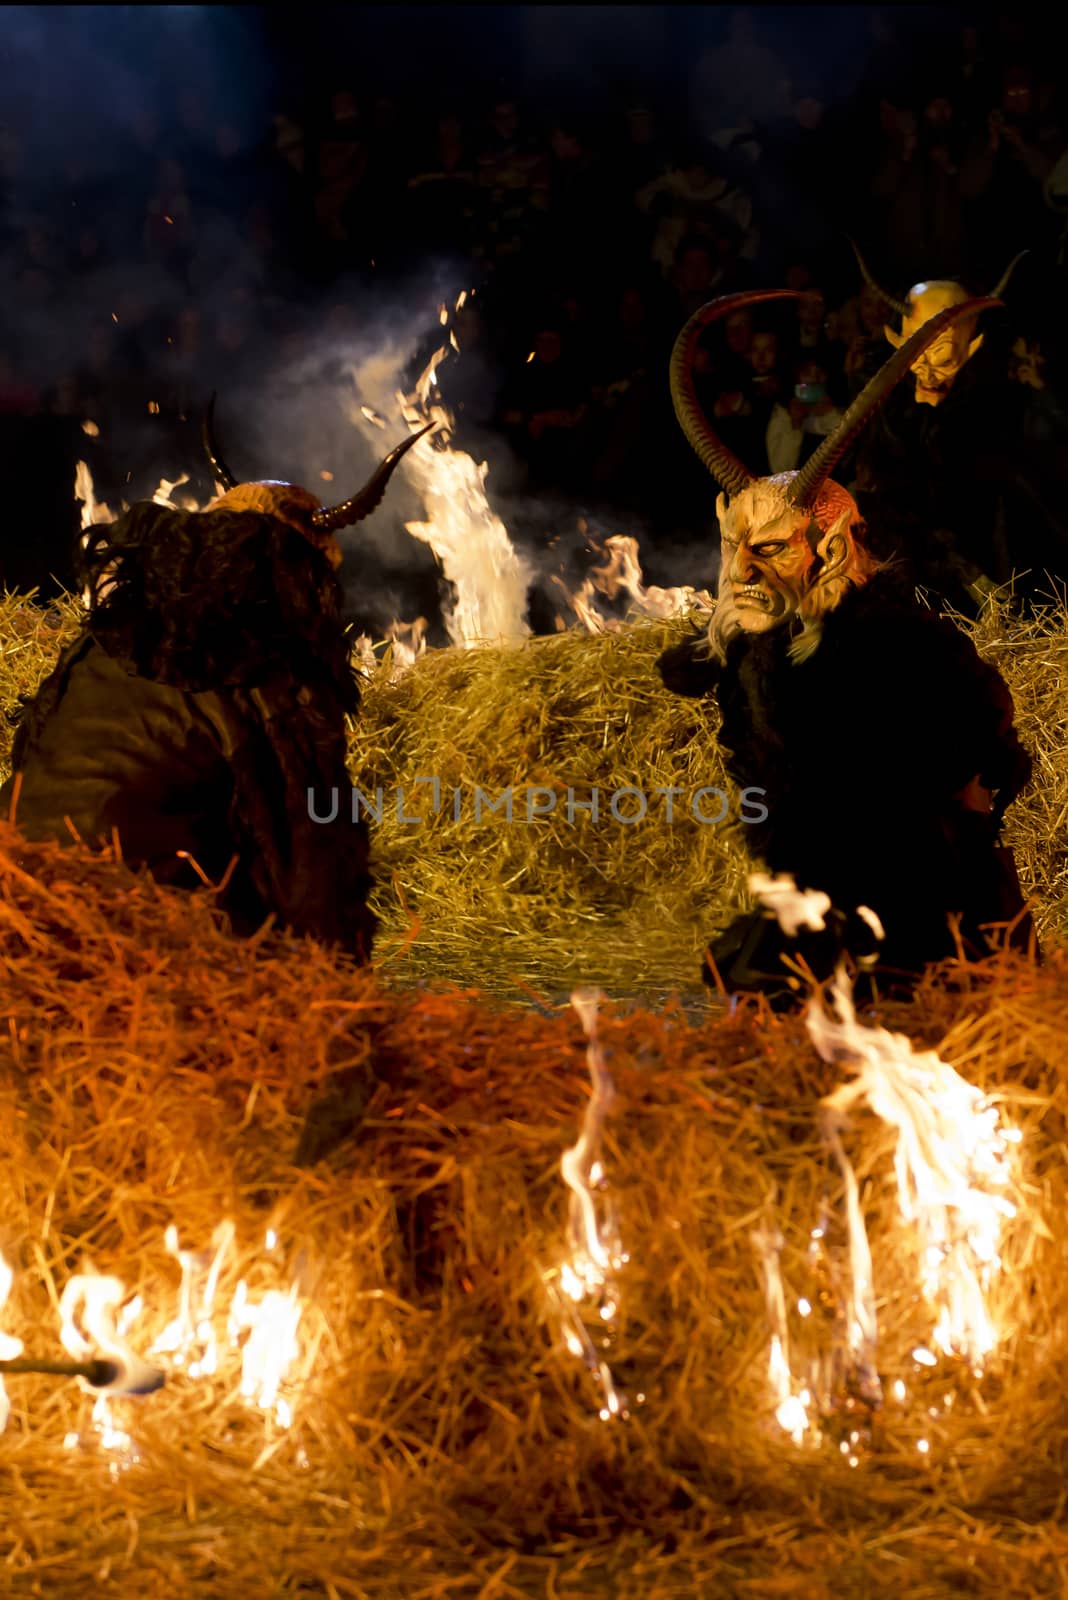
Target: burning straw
154 1083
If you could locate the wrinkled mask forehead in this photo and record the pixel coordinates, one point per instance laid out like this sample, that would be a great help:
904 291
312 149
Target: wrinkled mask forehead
763 514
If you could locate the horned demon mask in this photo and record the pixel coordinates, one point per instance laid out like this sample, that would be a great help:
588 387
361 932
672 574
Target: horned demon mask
298 507
937 369
791 543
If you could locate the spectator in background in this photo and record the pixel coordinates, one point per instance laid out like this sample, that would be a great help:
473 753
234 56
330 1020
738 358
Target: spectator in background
337 172
738 338
1006 171
767 381
577 187
807 175
644 153
970 77
1055 192
442 190
545 406
918 189
693 278
739 81
18 396
809 333
512 170
692 199
801 419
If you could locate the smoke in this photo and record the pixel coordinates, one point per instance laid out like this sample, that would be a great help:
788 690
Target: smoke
96 99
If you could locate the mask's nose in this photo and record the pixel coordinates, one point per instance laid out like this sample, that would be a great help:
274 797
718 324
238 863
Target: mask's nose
743 567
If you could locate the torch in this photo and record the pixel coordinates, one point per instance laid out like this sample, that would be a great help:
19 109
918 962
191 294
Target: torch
115 1376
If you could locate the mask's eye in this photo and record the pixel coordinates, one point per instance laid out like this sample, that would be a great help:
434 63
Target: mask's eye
773 548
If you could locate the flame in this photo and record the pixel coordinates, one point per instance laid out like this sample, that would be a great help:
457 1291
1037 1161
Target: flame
408 642
94 1322
489 576
587 1278
372 416
190 1339
791 1413
9 1347
953 1163
953 1160
621 574
94 511
95 1317
266 1333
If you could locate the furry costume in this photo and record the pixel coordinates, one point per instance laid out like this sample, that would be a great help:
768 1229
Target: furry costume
205 704
205 697
875 730
864 751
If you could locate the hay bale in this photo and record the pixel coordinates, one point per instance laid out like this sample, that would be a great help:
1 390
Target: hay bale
564 898
443 1440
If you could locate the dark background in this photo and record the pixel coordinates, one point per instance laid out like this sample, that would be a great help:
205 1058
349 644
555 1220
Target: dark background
253 199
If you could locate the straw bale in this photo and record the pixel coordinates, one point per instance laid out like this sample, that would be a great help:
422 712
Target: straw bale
443 1441
540 905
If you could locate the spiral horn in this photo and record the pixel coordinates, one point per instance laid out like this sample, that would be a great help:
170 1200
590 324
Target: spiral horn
722 463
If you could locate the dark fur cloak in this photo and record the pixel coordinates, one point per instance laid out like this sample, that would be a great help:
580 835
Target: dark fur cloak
863 751
206 699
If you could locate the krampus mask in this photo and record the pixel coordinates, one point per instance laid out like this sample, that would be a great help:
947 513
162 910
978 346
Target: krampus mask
791 543
936 370
298 507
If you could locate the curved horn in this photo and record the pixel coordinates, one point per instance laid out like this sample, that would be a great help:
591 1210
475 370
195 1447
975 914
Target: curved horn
817 469
895 305
222 472
370 496
1003 281
722 463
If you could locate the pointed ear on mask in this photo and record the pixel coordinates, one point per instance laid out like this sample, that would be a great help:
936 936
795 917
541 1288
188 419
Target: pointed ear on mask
896 339
833 550
724 519
973 347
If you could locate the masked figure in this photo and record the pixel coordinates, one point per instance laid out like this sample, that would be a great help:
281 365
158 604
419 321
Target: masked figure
200 717
948 479
884 745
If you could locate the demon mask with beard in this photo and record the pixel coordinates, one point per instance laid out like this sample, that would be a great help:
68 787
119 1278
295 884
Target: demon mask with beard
884 746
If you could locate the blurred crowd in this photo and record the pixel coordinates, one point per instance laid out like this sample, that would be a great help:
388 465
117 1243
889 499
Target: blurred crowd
590 232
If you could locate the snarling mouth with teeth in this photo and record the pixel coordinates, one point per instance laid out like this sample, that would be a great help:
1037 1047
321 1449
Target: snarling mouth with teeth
752 595
932 391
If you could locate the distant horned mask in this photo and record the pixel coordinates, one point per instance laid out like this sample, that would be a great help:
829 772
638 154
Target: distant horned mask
938 368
